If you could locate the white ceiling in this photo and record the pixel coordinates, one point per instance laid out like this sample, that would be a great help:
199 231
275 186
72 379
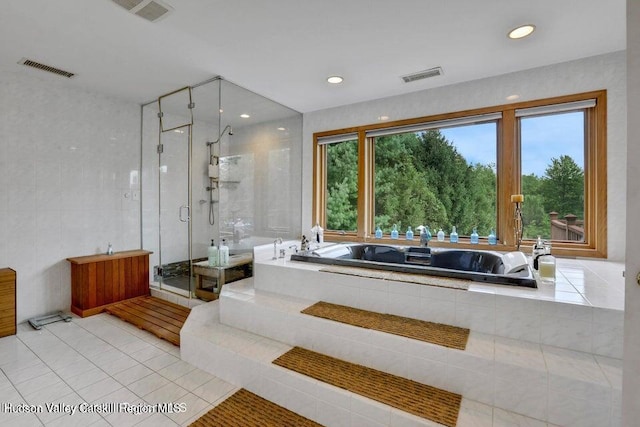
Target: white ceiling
285 49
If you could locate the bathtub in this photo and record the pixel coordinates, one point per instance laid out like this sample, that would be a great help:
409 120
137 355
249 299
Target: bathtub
480 266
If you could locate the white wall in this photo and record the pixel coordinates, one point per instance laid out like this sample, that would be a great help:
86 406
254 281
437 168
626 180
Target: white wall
67 159
631 370
600 72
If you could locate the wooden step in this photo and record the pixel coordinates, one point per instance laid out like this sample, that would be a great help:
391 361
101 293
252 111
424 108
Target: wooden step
162 318
245 409
415 398
434 333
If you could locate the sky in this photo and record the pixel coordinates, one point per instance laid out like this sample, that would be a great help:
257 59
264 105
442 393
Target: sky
543 138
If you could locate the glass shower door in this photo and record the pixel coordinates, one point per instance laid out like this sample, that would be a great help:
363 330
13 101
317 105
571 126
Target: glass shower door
174 153
175 212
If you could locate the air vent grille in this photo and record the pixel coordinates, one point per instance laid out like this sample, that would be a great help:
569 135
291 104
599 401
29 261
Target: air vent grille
48 68
431 72
151 10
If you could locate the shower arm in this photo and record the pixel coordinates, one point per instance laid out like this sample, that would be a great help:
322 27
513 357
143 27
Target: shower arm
210 143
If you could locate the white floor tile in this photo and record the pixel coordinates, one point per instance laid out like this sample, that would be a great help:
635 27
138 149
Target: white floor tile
132 374
146 385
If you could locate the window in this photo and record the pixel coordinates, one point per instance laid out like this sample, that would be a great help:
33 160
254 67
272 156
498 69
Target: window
438 178
552 164
341 155
460 169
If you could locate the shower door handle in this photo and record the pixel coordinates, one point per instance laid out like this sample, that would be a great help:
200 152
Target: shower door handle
182 209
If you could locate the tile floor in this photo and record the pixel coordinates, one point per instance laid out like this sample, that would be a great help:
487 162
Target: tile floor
100 360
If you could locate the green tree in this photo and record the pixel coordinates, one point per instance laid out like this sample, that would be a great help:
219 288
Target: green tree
342 186
563 187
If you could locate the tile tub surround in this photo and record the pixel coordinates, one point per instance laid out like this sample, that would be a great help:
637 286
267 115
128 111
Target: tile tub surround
582 311
492 370
244 359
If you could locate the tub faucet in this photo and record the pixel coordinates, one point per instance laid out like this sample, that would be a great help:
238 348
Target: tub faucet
276 242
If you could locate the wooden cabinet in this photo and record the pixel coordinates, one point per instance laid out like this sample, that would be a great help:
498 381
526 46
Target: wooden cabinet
7 302
100 280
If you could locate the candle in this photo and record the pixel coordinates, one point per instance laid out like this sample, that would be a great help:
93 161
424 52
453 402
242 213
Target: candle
517 198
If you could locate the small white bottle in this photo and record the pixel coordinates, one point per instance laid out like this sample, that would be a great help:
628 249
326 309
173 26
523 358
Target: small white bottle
213 254
224 253
110 249
440 235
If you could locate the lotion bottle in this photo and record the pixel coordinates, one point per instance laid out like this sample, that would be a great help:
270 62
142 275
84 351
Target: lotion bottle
394 232
224 253
453 237
409 233
212 253
474 236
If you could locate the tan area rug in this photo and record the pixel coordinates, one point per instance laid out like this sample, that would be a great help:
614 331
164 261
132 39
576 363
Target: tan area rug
434 333
245 409
420 279
409 396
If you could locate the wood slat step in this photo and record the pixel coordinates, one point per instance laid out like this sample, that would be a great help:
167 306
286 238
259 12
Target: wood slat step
153 312
434 333
409 396
166 305
245 409
162 318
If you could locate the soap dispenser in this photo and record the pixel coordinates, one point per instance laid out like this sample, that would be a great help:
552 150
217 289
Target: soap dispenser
493 240
212 253
453 237
440 235
394 232
474 236
110 249
378 233
224 253
409 233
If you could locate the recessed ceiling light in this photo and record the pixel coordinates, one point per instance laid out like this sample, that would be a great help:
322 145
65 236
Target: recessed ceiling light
245 116
335 79
521 31
178 131
382 118
281 128
512 97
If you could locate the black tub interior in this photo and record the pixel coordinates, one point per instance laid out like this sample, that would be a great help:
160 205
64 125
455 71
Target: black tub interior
480 266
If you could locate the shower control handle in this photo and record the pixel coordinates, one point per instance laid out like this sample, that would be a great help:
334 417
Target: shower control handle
182 209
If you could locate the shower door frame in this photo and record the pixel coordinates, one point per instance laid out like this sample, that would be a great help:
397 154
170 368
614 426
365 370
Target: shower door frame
189 204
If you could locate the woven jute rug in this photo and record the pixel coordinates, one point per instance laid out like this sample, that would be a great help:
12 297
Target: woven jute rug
245 409
409 396
420 279
434 333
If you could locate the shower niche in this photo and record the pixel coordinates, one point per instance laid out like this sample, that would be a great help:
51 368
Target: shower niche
218 162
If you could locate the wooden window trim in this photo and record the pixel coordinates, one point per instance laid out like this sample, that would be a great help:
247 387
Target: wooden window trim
508 168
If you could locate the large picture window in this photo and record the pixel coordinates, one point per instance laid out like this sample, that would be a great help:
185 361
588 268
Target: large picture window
460 169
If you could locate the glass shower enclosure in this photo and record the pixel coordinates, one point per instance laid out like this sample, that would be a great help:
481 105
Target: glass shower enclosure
218 162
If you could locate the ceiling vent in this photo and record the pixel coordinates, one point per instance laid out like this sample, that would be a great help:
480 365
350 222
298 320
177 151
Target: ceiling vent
431 72
48 68
151 10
